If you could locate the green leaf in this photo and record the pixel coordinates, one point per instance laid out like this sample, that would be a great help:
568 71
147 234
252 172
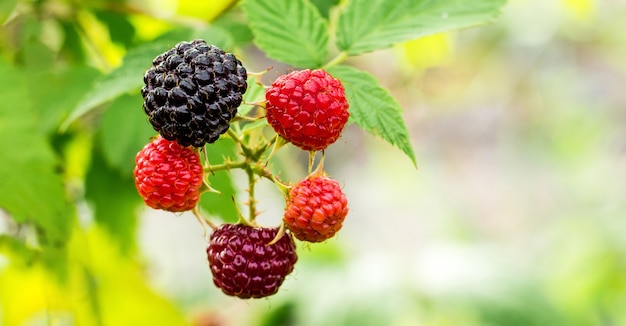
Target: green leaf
121 30
124 132
236 27
32 189
215 35
367 25
14 247
112 287
324 6
58 89
34 55
6 8
221 204
373 108
114 199
128 77
63 89
72 48
291 31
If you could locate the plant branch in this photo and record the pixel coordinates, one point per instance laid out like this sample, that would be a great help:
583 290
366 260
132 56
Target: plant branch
226 166
233 135
339 58
251 200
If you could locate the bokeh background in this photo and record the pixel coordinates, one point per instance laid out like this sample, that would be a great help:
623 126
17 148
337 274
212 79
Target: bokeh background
515 214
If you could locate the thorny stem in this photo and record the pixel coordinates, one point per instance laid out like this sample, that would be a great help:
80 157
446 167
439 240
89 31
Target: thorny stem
277 142
254 165
260 170
241 220
251 200
226 166
252 170
259 152
234 136
254 158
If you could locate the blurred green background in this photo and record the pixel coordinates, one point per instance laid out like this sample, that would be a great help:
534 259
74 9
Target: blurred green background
515 215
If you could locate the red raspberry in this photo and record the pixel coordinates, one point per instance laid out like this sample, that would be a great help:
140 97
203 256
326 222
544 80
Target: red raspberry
316 208
244 265
307 108
168 176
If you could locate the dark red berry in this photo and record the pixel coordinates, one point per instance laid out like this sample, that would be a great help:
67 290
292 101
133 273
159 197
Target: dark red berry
244 265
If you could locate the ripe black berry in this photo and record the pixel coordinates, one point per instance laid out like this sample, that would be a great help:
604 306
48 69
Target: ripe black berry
192 92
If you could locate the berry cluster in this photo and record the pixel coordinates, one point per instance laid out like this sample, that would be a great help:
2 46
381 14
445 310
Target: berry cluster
191 96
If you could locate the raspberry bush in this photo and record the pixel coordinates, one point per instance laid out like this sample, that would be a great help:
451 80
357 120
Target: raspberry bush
307 108
105 109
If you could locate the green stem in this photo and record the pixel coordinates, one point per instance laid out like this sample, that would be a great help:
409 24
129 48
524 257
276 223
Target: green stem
261 172
320 166
339 58
251 200
233 135
260 150
311 161
276 143
238 118
241 220
226 166
247 152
